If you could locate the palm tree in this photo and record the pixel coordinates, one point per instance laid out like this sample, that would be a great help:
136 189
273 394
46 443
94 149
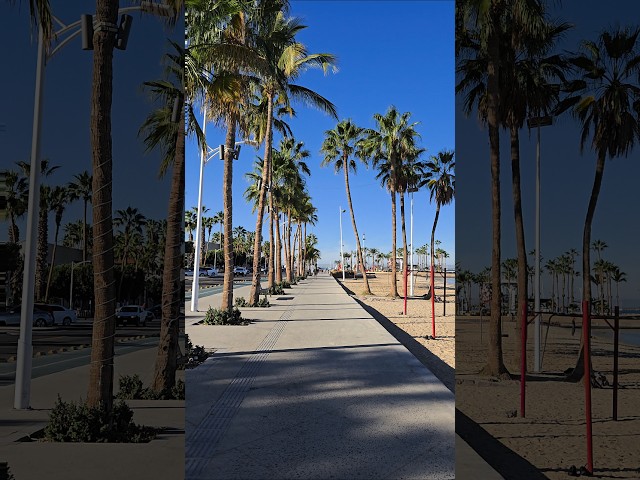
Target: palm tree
441 181
58 200
286 59
46 170
163 132
190 225
218 218
599 246
17 191
393 141
131 221
341 146
73 234
618 277
82 189
604 98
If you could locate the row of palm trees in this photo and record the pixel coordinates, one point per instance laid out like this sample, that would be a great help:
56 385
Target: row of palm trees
391 148
162 132
243 59
381 260
561 274
53 200
507 72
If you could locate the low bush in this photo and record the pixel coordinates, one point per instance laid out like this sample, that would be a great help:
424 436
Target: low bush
216 316
194 354
178 390
276 289
77 422
241 302
285 284
263 302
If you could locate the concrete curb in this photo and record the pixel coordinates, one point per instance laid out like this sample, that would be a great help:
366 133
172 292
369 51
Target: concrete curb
55 351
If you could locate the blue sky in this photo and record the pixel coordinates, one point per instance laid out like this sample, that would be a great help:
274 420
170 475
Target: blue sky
566 177
67 103
389 53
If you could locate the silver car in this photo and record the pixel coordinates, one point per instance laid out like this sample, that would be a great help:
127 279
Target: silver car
11 318
61 315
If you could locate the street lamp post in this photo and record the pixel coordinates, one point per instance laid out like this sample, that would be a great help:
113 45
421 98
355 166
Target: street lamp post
341 244
537 122
25 349
412 190
204 159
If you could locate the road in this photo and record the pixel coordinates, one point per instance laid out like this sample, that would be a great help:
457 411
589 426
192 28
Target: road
76 339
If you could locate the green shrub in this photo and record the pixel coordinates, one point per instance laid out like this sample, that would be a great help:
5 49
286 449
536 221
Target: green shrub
77 422
194 354
130 387
285 284
276 289
263 302
216 316
241 302
178 390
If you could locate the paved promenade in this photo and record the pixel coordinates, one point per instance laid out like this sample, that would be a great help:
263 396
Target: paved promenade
313 388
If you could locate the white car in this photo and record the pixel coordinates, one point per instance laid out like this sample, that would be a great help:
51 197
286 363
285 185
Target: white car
61 315
210 271
133 314
240 271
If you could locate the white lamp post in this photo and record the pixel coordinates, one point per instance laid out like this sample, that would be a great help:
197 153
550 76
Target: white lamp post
537 122
341 245
204 159
412 190
25 348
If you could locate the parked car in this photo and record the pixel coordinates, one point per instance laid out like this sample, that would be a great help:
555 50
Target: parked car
60 314
132 314
211 271
11 317
240 271
188 272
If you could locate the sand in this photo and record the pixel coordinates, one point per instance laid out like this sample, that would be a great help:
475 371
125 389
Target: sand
552 436
417 322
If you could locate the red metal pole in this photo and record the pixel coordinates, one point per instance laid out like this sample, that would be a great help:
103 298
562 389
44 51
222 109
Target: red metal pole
586 331
433 304
523 361
405 289
616 330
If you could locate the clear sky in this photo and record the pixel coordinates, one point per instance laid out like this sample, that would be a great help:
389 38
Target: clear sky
67 104
389 53
567 178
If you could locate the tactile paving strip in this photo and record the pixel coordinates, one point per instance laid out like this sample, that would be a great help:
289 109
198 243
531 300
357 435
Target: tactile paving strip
201 442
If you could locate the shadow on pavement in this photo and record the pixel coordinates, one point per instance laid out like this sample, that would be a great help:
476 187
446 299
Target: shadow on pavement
504 460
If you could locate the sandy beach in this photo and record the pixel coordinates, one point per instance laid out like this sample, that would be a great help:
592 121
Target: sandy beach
552 436
417 322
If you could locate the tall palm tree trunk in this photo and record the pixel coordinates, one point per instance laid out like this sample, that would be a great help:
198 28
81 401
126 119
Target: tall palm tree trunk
432 264
367 289
578 371
168 346
254 294
227 181
404 243
288 254
278 249
272 250
520 241
495 365
102 348
394 280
